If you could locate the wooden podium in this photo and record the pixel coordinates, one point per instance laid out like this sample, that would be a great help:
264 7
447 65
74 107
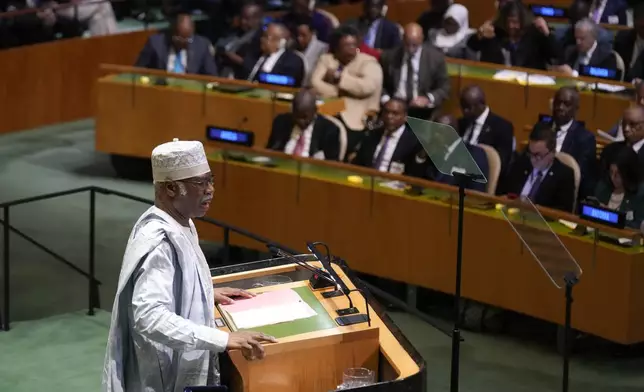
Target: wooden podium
312 356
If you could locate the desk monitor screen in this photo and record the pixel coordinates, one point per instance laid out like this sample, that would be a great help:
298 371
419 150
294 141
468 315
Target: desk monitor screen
233 136
547 11
597 72
602 215
280 80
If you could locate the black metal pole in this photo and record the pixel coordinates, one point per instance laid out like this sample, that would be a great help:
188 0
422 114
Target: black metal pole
5 311
92 281
456 334
571 280
226 245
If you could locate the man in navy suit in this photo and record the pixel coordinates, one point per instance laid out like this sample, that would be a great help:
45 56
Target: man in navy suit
609 11
394 147
180 50
480 126
539 176
275 57
377 31
633 126
587 51
303 132
573 138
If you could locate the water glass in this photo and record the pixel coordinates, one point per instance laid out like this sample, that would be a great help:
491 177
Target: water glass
358 377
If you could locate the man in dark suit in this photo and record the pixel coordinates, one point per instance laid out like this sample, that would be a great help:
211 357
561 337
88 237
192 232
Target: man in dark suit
180 51
540 176
578 10
630 43
394 147
304 10
609 11
416 73
573 138
480 126
303 132
377 31
633 126
587 51
275 57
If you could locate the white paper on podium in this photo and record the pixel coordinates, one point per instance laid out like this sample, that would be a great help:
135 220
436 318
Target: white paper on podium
536 80
272 307
509 75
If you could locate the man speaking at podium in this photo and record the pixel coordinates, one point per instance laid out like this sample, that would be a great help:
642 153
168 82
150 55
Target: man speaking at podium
162 336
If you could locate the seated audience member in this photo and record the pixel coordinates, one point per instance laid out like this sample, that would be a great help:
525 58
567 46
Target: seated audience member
475 151
169 51
516 39
609 11
303 11
275 57
587 51
242 42
393 147
633 126
479 125
416 73
28 28
434 17
617 131
303 132
377 31
311 48
356 77
621 190
578 10
630 43
451 38
97 15
539 176
573 138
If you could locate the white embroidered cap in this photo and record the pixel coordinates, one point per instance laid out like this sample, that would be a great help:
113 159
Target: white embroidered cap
178 160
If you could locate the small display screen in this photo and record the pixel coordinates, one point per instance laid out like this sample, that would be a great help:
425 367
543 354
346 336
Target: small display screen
219 134
548 11
597 72
280 80
602 215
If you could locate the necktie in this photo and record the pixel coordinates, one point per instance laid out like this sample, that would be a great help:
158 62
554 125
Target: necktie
409 83
178 65
381 154
257 68
535 186
596 15
299 146
470 137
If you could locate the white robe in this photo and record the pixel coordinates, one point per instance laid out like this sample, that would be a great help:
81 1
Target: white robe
162 335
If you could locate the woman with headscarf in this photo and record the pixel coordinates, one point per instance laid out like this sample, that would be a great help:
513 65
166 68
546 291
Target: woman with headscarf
452 37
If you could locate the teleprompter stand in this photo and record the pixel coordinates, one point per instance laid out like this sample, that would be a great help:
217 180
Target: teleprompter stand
451 156
551 255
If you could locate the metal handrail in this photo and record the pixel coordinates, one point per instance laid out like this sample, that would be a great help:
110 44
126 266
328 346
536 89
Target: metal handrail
93 294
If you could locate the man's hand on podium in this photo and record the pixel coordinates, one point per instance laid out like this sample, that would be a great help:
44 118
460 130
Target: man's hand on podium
224 295
250 343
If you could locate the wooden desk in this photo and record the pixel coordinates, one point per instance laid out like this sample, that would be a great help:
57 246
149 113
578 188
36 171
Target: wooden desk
315 360
133 117
413 239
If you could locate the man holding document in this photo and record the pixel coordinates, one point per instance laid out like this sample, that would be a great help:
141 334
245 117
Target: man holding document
162 336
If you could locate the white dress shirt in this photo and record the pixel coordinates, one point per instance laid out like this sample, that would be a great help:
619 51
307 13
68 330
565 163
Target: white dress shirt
527 187
172 57
561 135
268 65
473 133
389 151
297 133
637 146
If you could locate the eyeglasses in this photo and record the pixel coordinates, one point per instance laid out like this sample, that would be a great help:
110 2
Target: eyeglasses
538 156
201 182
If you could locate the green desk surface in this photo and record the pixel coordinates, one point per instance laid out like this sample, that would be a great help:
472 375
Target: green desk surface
433 196
194 86
317 323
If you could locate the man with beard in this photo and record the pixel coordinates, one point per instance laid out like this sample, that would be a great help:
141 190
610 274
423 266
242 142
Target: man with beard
162 335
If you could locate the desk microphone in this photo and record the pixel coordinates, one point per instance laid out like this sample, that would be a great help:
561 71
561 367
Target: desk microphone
320 279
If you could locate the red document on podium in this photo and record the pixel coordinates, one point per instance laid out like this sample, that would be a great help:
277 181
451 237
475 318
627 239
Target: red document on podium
268 308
